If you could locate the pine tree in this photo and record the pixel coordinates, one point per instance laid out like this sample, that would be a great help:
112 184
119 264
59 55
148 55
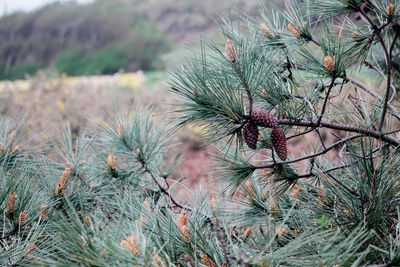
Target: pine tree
109 197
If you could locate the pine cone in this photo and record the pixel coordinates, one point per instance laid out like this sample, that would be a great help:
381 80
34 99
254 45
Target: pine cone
250 135
263 118
278 139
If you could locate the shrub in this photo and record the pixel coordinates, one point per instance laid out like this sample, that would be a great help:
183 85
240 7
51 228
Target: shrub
18 71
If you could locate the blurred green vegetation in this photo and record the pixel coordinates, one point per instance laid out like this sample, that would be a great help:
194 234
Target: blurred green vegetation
107 36
99 38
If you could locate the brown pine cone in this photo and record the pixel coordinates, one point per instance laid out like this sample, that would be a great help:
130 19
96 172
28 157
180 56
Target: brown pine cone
250 135
278 139
263 118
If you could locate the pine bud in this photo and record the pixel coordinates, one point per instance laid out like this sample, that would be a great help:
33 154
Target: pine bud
144 222
293 29
132 245
157 260
281 232
146 203
183 228
274 210
347 212
230 51
104 253
11 138
44 212
329 64
111 162
265 93
247 233
138 152
213 203
297 231
63 181
250 189
22 218
250 135
296 192
278 139
263 118
121 131
321 195
390 10
267 31
88 219
207 261
265 197
11 202
15 149
31 250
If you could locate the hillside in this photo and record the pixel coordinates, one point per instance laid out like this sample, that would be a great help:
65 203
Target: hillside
105 36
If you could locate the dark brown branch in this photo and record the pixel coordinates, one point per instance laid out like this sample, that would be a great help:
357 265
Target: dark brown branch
343 127
329 148
161 188
326 100
221 240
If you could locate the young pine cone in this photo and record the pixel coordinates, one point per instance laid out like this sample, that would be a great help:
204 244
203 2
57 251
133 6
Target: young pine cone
278 139
329 64
263 118
230 51
250 135
390 10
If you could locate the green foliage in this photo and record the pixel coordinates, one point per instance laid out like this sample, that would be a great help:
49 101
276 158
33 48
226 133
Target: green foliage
297 67
18 71
98 38
105 61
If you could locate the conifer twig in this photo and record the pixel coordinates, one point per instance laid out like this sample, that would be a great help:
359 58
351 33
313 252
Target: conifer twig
326 100
388 57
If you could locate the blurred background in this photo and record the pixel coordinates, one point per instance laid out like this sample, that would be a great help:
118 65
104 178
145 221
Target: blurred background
65 61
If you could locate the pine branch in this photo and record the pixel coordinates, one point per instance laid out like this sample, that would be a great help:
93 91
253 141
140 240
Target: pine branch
371 92
388 57
161 188
246 86
324 151
343 127
326 101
